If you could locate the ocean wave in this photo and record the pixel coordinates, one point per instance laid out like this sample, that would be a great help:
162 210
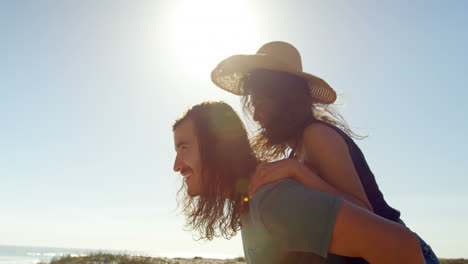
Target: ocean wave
45 254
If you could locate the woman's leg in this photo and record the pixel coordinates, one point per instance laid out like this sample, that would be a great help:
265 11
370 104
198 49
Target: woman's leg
429 255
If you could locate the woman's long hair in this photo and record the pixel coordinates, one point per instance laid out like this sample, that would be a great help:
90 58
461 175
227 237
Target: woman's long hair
227 161
293 109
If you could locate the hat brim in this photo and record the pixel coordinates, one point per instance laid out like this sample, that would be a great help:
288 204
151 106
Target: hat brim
229 73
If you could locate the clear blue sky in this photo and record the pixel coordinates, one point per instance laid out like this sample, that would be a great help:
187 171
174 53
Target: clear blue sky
90 89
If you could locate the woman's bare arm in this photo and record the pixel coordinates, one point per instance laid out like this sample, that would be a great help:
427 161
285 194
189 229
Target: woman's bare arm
291 168
328 153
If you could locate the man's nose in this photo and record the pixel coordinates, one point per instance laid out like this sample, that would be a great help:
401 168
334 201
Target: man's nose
178 164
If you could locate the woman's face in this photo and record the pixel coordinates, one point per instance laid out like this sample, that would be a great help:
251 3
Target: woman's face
263 109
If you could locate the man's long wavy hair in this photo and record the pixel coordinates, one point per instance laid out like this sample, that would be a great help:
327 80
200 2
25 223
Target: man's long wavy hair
293 110
227 160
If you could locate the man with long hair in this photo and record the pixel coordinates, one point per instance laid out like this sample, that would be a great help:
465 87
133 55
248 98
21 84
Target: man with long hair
284 222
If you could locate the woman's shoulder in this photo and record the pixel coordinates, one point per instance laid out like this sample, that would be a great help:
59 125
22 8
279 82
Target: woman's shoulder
320 130
322 138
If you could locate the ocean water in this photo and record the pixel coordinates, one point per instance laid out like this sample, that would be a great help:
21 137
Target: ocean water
34 255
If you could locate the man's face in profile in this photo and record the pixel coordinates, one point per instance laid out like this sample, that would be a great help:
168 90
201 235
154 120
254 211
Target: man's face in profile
188 161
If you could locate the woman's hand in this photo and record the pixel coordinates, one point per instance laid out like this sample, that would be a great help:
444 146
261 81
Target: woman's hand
273 171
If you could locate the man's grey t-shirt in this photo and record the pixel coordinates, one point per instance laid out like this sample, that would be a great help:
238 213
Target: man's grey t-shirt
288 222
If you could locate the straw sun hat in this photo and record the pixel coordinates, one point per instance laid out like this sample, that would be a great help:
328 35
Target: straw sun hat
277 56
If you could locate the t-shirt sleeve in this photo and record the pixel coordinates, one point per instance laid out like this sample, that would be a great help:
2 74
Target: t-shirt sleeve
299 218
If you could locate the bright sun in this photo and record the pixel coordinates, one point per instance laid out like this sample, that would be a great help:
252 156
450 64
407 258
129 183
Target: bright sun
205 31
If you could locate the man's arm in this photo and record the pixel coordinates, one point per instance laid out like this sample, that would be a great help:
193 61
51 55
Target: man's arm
360 233
306 220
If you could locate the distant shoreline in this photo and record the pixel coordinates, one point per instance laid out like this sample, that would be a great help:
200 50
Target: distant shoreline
101 258
23 254
58 255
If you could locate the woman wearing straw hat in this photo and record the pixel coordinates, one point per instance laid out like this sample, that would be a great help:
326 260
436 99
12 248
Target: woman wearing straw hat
292 108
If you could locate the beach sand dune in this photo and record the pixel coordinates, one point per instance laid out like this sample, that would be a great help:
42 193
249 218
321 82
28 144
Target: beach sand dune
104 258
101 258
